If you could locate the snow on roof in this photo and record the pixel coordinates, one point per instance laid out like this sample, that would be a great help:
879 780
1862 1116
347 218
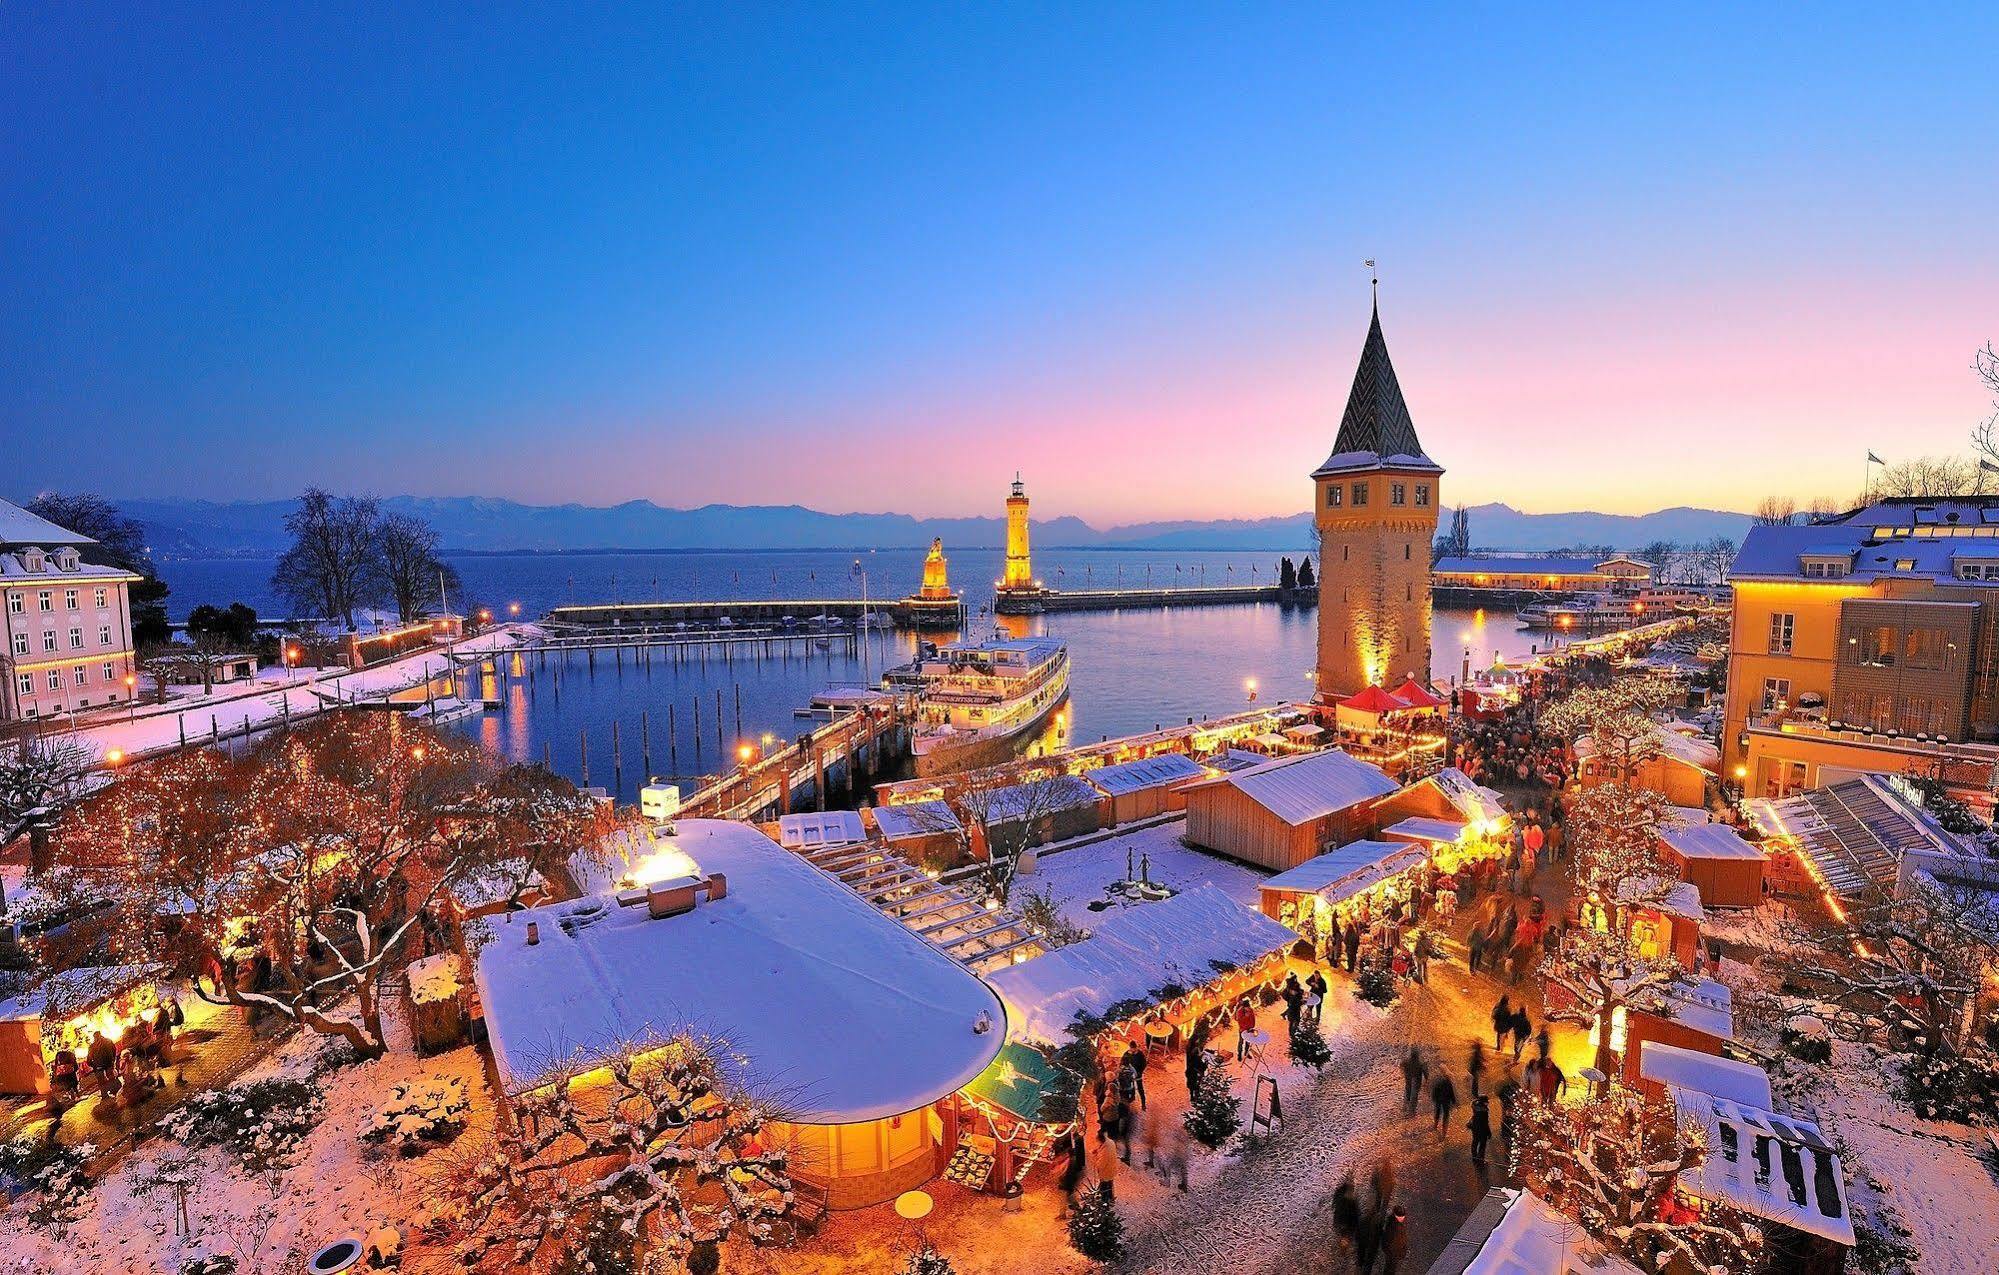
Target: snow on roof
1146 772
812 830
1039 797
1855 832
72 991
1471 800
916 819
19 527
838 1011
1673 745
1304 734
1131 955
1339 875
1681 898
1230 760
1310 786
1678 1068
1515 1232
1424 828
1773 1166
1702 1004
1515 564
1890 538
1709 841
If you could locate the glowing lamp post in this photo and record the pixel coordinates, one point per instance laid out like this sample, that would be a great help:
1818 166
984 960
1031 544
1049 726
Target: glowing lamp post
1249 684
131 696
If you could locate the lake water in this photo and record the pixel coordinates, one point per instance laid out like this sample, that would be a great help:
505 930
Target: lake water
1131 670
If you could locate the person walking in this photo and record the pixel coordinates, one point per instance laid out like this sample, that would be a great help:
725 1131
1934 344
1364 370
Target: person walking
1197 1056
1104 1163
1294 1005
1394 1241
1316 988
1475 948
1522 1027
1127 1093
1353 946
1425 946
1414 1072
1481 1127
1502 1020
1074 1166
1119 1125
1245 1023
1443 1101
1553 1083
1135 1059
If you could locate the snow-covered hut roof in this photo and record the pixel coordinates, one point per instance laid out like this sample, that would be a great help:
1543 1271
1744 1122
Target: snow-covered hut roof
1230 760
1776 1167
916 819
1146 772
813 829
1129 956
838 1011
1702 1004
1475 803
1709 841
1678 1068
1339 875
1515 1232
1310 786
1425 828
1673 745
1038 797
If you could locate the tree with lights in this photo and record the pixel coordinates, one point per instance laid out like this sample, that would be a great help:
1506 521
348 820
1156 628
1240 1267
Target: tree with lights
1613 1163
295 876
650 1154
1004 809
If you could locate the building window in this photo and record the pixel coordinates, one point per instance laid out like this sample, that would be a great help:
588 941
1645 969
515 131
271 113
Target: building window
48 641
104 635
110 672
103 596
76 639
1359 494
25 684
1422 495
69 599
1874 646
81 677
16 603
1776 692
55 679
1783 624
20 644
46 600
1398 494
1335 494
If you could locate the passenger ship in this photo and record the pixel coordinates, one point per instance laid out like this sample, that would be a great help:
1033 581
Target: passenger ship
979 698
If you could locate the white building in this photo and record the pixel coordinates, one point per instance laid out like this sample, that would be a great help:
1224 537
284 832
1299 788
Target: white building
65 622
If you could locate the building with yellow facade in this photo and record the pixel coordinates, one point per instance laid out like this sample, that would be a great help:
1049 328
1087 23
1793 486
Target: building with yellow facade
1864 644
1375 502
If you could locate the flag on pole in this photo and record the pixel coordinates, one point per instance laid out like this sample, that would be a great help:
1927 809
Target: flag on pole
1872 459
1987 466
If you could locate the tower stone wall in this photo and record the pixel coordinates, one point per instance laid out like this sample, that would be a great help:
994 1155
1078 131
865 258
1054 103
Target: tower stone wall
1374 580
1019 570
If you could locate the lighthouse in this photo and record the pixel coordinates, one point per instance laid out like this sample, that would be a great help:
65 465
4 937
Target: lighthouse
1019 572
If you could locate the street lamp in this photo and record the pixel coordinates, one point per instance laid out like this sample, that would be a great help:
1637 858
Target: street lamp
513 608
131 696
1249 684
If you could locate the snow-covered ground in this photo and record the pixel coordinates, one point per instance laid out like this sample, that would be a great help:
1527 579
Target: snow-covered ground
1076 875
340 1186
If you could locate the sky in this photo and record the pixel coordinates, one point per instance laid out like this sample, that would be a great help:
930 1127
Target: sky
878 258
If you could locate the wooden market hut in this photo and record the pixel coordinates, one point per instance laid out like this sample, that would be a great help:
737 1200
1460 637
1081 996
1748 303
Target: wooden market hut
1011 1118
1286 811
864 1030
927 833
1683 771
1696 1014
65 1011
1058 808
1147 786
1372 872
1716 860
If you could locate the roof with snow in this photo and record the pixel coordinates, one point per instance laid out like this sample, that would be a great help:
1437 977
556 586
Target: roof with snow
916 819
1887 540
1352 869
1309 786
1376 431
1518 564
1678 1068
812 829
1515 1232
19 527
1702 1004
1466 795
1776 1167
1856 832
837 1011
1675 745
1146 772
1425 828
1132 955
1038 797
72 991
1709 841
1230 760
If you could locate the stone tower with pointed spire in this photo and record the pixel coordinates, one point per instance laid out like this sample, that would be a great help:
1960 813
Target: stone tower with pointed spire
1375 503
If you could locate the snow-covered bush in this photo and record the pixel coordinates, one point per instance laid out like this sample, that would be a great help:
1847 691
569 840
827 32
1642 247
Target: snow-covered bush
928 1261
1807 1039
1095 1227
264 1123
1215 1115
1376 985
1955 1085
420 1115
219 1264
54 1178
1309 1047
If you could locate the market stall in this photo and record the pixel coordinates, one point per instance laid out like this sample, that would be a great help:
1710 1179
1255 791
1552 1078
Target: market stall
67 1012
1011 1118
1352 884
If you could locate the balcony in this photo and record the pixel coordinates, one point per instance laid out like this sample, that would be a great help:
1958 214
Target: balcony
1960 757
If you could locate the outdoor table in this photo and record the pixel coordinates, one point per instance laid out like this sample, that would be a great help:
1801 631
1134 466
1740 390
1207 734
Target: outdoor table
913 1206
1158 1033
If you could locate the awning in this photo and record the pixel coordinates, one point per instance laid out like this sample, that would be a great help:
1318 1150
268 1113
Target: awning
1025 1084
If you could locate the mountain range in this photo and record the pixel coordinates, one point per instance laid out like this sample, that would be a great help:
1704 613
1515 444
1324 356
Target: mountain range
474 524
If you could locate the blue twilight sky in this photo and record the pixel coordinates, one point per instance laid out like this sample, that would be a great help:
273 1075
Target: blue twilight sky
880 257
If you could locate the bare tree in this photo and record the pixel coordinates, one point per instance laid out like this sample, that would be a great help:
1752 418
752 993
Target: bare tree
1985 363
1005 809
39 773
412 571
1822 508
1775 511
330 566
189 662
667 1159
1928 478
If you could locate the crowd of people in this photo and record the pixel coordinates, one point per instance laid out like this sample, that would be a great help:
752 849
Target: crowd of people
124 1069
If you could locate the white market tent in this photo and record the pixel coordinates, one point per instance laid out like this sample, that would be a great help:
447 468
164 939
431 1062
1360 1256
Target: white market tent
1678 1068
814 830
1515 1232
1181 940
849 1015
1351 870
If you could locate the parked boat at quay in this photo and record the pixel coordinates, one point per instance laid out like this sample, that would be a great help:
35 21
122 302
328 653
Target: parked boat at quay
978 698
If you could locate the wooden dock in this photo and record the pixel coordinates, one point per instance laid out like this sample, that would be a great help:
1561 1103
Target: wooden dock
1037 601
843 751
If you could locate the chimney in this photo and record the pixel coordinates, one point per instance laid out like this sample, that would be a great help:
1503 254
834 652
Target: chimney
718 887
534 933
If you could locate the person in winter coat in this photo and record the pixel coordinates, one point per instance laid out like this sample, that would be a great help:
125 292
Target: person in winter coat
1394 1241
1104 1163
1346 1209
1315 986
1197 1056
1127 1089
102 1055
1502 1020
1475 948
1443 1101
1134 1059
1294 1005
1414 1071
1481 1127
1522 1027
1553 1082
1245 1023
1074 1166
1353 947
1426 946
